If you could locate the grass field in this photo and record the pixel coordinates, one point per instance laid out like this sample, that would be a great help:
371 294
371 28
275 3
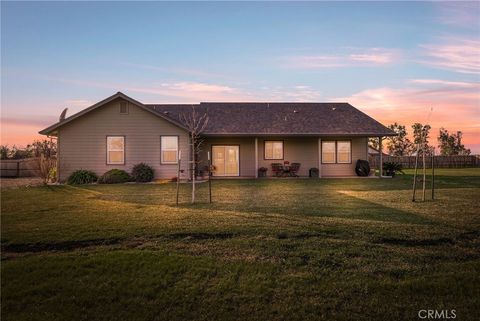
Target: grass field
330 249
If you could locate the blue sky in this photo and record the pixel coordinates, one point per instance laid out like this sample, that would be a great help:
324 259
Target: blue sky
392 60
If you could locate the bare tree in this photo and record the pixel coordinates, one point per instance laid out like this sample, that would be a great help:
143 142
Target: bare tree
196 123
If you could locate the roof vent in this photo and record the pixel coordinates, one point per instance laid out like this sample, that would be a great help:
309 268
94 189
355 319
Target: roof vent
333 108
166 112
123 107
295 111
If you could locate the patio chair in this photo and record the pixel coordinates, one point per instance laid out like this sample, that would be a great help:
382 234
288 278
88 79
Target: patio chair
277 169
294 169
286 168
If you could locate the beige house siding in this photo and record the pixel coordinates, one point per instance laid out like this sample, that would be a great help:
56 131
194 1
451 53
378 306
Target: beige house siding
82 142
359 151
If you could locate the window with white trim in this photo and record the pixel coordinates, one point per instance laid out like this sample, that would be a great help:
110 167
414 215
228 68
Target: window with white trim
328 152
344 152
115 150
273 149
169 149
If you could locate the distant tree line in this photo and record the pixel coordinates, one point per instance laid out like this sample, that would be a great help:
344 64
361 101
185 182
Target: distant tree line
401 145
47 148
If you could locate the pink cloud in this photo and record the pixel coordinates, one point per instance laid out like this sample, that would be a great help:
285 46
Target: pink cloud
296 93
453 105
198 87
364 57
183 91
23 121
193 91
459 13
316 61
174 70
22 130
82 103
460 55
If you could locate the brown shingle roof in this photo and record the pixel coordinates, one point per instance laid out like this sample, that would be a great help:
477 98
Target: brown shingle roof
261 118
280 118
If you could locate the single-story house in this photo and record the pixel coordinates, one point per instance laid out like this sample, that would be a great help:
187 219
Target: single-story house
119 132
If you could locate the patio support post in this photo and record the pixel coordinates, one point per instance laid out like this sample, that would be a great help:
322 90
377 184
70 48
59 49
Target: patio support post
58 160
319 158
380 150
256 157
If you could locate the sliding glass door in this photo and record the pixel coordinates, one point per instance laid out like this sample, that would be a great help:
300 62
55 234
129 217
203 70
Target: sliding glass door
226 160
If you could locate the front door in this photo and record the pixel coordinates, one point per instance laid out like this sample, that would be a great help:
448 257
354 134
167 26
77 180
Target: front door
225 160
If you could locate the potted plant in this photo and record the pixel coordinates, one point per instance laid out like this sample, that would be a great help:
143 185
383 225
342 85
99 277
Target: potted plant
262 172
198 173
391 168
205 172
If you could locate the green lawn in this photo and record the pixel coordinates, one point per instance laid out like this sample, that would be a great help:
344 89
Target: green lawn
331 249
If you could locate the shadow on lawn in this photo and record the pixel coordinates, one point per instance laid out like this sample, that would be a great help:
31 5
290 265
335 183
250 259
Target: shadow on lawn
332 204
264 198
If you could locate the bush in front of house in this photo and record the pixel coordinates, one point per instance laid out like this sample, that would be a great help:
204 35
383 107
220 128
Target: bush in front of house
82 176
142 173
391 168
115 176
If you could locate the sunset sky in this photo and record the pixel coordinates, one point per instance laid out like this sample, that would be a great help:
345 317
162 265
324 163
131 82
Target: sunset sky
396 61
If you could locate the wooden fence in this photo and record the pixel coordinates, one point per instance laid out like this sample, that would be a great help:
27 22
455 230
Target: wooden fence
440 161
28 167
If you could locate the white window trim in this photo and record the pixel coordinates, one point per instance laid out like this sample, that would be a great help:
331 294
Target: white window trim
265 149
334 151
168 150
115 150
349 154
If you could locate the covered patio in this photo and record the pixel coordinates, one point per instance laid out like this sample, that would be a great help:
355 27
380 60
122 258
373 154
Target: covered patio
284 156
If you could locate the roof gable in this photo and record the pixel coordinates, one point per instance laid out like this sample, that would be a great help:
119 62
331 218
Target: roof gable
49 130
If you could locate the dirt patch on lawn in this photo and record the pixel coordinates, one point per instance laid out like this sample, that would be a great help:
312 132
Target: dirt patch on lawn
59 246
413 242
12 250
200 236
9 183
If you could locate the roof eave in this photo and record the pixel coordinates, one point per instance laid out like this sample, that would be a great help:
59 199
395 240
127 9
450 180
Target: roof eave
210 134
